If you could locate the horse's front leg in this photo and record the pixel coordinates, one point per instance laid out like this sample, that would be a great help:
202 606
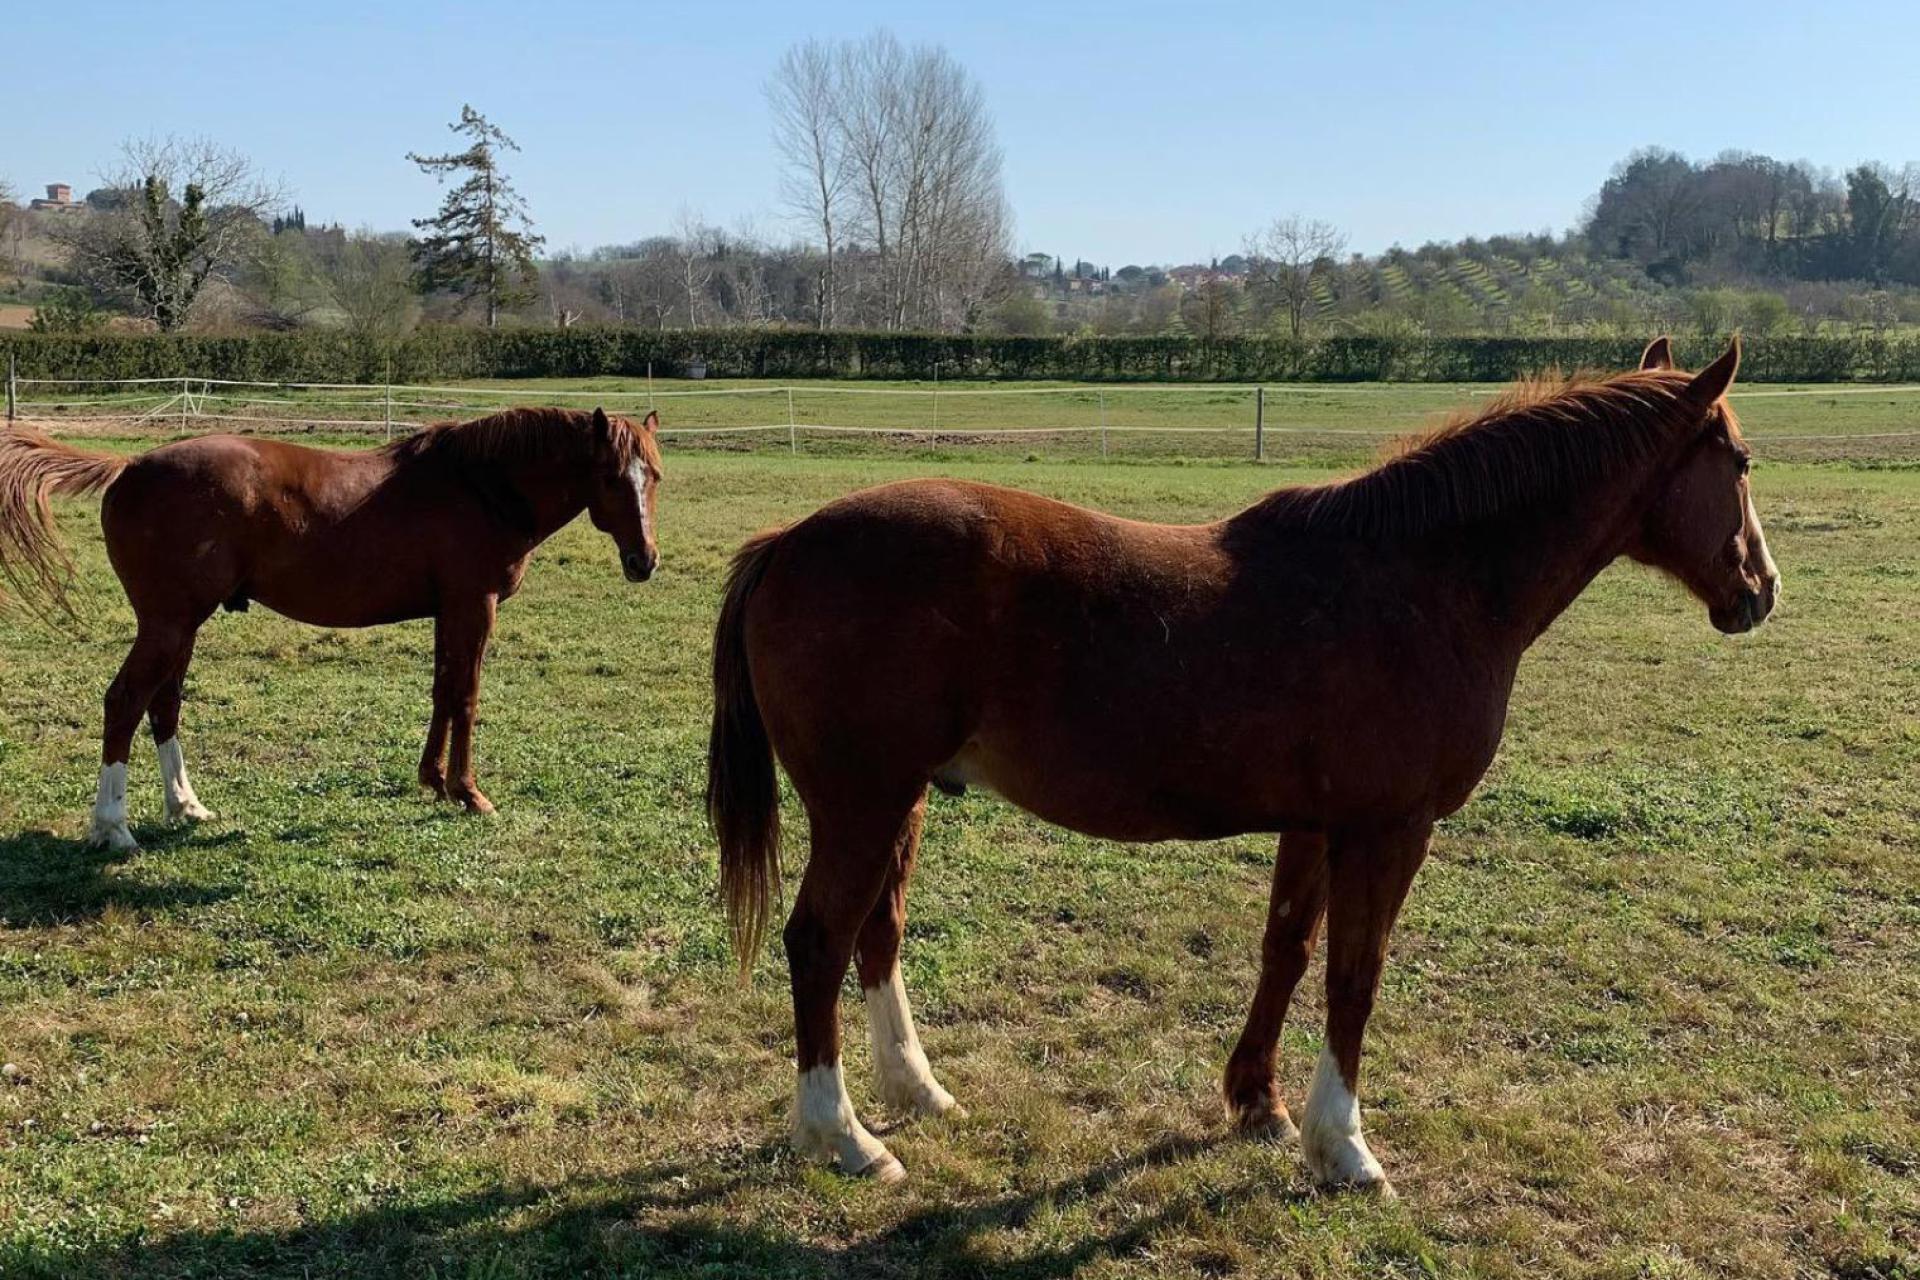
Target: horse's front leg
1369 873
1294 910
460 635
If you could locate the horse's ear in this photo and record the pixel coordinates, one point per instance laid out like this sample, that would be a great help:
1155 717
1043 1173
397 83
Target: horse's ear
1658 355
652 420
601 426
1712 382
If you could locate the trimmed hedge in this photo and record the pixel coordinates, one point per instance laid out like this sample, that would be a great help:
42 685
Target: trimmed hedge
440 354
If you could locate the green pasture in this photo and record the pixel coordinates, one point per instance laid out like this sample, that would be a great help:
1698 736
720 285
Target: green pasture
1653 1009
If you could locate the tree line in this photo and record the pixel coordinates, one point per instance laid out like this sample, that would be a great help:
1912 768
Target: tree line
899 222
1742 215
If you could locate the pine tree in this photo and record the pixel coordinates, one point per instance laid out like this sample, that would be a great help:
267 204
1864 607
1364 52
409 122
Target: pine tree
481 243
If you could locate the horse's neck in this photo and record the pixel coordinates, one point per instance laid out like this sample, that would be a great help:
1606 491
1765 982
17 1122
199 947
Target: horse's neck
1529 565
553 493
561 495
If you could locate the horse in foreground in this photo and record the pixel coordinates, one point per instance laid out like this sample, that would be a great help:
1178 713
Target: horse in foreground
439 524
1333 663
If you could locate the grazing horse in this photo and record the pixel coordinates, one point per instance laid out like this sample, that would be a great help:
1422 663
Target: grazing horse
1332 664
438 524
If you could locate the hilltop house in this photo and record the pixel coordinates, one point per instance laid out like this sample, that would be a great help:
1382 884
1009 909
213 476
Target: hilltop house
59 199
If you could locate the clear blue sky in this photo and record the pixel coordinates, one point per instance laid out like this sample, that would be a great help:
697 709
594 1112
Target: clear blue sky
1133 132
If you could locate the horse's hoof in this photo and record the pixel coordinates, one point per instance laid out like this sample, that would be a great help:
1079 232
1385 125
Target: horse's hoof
929 1100
476 803
1377 1187
1261 1120
190 812
115 838
885 1169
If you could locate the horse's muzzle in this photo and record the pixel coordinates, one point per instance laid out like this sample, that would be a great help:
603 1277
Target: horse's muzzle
639 565
1749 611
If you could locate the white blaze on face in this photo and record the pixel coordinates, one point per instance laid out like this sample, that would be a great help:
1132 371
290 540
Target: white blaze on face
826 1128
181 801
1330 1137
906 1081
637 476
109 827
1768 571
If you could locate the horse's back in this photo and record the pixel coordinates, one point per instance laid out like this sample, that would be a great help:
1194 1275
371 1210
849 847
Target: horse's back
226 468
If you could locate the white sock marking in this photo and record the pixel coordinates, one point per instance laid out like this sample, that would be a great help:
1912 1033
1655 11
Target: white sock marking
1330 1135
181 801
109 826
899 1063
825 1126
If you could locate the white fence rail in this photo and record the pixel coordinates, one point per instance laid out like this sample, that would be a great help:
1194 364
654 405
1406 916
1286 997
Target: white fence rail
1199 418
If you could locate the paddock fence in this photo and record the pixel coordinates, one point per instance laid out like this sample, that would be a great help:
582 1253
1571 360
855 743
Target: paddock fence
1106 422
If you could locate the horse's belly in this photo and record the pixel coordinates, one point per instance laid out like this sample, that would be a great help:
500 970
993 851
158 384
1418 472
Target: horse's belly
1096 799
336 594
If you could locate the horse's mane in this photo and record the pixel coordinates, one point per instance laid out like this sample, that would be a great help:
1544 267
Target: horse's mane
523 435
1541 438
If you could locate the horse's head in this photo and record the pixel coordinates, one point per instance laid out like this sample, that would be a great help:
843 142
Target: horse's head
1701 526
620 496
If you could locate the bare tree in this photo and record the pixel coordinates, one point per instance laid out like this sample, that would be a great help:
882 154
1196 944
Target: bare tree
191 209
802 93
895 148
694 251
1282 261
370 282
10 219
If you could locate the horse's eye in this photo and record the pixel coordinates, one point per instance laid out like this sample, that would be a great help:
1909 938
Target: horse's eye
1746 463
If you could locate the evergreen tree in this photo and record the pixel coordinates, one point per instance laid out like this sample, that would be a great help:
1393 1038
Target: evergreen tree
481 243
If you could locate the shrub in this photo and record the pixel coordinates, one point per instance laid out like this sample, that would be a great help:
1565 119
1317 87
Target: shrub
442 354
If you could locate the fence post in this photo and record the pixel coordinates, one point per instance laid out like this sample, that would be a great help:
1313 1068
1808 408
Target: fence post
649 386
183 406
1259 424
389 407
793 432
1103 424
13 380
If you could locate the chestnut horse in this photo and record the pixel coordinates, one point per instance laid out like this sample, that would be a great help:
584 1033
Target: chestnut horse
439 524
1332 664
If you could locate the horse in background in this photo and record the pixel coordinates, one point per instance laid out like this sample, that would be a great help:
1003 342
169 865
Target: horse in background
438 524
1333 664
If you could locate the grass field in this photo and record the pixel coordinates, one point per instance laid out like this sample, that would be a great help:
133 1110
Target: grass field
1654 1008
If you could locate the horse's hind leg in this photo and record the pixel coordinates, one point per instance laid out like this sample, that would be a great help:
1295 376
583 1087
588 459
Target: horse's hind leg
433 757
1369 874
900 1067
1294 911
854 852
156 654
163 717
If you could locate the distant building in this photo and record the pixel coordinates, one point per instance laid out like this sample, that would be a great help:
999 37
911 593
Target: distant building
59 199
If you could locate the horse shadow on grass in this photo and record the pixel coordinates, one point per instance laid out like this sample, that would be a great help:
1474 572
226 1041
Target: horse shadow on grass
670 1220
46 879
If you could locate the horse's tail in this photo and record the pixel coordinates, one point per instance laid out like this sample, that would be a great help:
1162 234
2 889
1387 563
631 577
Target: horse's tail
743 795
33 560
